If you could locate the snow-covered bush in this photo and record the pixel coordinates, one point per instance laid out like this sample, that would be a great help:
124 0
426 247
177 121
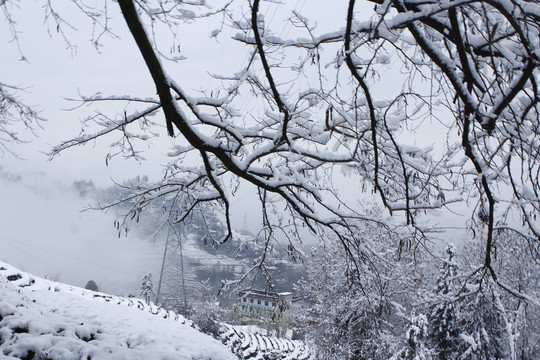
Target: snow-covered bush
147 288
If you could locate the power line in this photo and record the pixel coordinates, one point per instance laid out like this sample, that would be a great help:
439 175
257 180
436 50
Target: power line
245 225
12 243
41 260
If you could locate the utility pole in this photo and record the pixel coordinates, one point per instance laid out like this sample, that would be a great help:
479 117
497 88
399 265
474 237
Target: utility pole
181 267
172 233
162 266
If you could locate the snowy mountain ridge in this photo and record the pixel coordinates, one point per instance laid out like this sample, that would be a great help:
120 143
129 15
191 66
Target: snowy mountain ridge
43 319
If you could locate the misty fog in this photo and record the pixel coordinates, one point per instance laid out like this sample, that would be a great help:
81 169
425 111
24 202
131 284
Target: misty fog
45 231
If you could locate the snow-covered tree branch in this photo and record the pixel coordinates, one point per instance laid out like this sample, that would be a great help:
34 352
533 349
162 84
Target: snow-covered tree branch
426 104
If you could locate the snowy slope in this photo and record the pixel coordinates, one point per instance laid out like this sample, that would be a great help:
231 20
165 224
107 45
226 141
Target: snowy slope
42 319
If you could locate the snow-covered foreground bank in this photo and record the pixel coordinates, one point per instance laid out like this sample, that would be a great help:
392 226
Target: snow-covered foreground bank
42 319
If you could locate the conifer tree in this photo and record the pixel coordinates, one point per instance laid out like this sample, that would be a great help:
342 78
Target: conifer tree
482 327
417 339
443 318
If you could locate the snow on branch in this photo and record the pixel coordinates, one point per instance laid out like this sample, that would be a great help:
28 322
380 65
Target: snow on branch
424 104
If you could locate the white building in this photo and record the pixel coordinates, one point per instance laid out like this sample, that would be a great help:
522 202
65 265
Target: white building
263 303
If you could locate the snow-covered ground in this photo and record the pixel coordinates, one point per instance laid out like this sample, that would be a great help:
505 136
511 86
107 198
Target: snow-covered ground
44 319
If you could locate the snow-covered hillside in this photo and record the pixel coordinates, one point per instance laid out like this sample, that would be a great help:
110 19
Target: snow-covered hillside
42 319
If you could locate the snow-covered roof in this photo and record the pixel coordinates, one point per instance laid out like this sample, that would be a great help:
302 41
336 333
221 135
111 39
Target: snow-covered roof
258 294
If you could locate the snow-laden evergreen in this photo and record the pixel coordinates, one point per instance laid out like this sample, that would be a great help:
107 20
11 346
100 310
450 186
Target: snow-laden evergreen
417 337
147 288
444 329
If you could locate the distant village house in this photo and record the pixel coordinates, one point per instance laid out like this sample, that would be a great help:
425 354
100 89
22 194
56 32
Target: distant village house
259 303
